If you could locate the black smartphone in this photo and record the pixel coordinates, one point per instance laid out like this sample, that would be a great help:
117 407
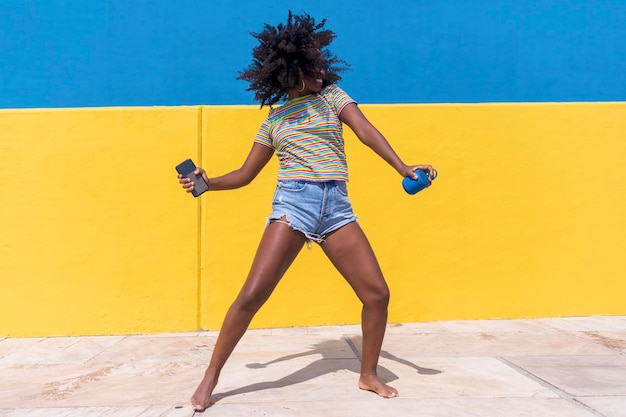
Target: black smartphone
186 169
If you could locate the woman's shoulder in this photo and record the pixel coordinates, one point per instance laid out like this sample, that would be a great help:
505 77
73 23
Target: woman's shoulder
336 97
332 89
334 92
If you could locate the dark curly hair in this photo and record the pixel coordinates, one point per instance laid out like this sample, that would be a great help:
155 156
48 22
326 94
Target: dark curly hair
286 54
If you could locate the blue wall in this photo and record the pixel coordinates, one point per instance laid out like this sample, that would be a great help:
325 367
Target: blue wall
83 53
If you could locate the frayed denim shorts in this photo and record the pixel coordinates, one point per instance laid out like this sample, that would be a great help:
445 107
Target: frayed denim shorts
312 208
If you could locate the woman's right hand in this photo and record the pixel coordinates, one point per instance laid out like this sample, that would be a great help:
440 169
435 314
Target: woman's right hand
187 184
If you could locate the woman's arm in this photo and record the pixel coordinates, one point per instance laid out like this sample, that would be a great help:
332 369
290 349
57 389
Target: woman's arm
352 116
258 157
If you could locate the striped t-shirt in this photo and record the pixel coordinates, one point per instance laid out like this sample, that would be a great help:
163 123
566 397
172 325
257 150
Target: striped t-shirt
307 136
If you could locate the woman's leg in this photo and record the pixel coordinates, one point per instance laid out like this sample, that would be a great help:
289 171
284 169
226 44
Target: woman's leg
278 248
350 251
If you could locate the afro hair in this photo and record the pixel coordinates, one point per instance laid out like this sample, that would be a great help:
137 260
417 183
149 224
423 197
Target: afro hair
288 52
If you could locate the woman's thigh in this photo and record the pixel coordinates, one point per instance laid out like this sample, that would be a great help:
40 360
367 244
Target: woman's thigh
278 248
351 253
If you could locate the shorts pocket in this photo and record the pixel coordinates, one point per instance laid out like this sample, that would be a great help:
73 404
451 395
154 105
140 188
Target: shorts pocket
342 189
292 186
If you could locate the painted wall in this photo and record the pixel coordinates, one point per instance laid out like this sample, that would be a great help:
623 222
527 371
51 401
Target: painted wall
75 53
94 239
102 98
525 220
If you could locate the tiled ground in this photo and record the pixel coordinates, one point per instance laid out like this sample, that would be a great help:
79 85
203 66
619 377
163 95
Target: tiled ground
570 367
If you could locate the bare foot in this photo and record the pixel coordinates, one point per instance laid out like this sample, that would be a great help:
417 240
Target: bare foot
371 382
201 399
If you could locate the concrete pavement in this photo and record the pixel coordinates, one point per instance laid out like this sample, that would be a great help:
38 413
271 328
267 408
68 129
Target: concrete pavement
569 367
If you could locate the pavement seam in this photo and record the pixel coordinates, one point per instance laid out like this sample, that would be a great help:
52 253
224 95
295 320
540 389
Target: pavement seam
90 360
355 350
558 391
577 335
597 339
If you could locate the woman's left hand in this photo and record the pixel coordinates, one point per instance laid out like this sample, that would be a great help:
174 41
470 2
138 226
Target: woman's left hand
409 171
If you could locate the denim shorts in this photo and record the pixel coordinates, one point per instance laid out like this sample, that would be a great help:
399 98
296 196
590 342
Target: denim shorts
312 208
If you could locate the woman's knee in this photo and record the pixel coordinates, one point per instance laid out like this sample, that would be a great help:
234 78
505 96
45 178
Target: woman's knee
251 301
377 298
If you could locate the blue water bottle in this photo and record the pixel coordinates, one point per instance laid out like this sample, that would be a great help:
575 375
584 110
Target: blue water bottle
412 186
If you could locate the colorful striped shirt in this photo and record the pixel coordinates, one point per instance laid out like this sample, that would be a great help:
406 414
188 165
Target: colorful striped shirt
307 136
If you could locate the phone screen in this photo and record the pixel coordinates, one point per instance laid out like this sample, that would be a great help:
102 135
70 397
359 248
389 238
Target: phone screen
186 169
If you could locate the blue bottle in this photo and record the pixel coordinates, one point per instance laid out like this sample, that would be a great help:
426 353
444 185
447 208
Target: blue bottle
412 186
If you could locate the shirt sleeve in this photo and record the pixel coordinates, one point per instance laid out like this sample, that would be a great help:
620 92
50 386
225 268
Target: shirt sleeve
263 135
337 98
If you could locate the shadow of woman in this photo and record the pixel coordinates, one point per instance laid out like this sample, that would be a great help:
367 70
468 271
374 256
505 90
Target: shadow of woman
336 355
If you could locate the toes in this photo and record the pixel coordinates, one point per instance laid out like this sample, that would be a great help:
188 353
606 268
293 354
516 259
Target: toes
393 394
388 392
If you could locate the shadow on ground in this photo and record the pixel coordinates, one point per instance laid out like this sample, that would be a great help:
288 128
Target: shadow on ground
327 364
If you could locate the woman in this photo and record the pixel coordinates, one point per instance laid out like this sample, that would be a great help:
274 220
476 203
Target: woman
310 202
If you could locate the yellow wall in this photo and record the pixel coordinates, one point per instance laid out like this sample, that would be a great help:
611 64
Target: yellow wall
94 237
525 220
